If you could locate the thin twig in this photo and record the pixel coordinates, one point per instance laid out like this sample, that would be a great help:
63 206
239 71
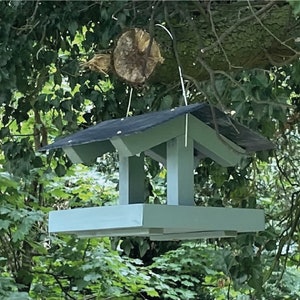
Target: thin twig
293 228
151 33
214 117
180 74
269 31
176 55
213 85
217 37
228 290
282 63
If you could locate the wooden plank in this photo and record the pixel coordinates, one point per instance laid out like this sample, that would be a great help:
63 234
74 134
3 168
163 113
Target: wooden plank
158 153
197 218
87 153
180 171
96 218
139 142
218 148
131 179
192 235
149 219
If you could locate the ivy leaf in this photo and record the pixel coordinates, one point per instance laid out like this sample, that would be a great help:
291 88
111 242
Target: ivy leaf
60 170
263 79
126 245
271 245
4 132
57 78
166 102
37 162
143 248
73 27
57 122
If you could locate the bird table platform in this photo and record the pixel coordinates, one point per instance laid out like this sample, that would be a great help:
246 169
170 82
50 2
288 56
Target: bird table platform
177 138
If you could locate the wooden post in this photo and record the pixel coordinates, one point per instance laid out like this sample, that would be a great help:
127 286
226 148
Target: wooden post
180 171
131 179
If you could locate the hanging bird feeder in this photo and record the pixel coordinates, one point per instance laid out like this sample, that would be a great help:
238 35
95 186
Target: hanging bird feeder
177 138
134 58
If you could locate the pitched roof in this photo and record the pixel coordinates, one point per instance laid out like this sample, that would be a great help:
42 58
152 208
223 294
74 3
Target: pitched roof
231 129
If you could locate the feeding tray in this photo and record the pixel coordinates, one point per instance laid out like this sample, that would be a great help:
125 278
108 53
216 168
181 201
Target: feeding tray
178 138
159 222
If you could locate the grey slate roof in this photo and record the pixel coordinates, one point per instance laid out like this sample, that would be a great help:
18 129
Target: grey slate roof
245 138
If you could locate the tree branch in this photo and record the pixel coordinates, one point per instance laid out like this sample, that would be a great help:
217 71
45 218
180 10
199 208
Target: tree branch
236 25
269 31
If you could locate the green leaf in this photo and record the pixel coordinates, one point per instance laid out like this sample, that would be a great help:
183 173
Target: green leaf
126 245
296 6
57 121
18 235
166 102
4 224
91 277
4 132
37 162
7 180
263 79
143 248
60 170
57 78
73 27
152 293
187 283
271 245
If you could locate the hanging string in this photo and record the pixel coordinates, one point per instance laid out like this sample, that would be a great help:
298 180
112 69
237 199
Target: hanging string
182 86
129 102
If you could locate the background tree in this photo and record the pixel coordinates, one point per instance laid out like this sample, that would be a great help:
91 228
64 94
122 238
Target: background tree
242 56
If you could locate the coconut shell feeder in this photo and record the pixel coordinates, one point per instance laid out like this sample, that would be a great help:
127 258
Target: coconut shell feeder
133 58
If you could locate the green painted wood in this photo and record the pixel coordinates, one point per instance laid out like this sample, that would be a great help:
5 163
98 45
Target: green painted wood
206 139
131 179
158 153
96 219
142 232
87 153
175 218
180 171
151 219
218 148
193 235
142 141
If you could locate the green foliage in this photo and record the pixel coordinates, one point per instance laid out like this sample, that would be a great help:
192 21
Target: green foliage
295 5
180 273
45 94
82 269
